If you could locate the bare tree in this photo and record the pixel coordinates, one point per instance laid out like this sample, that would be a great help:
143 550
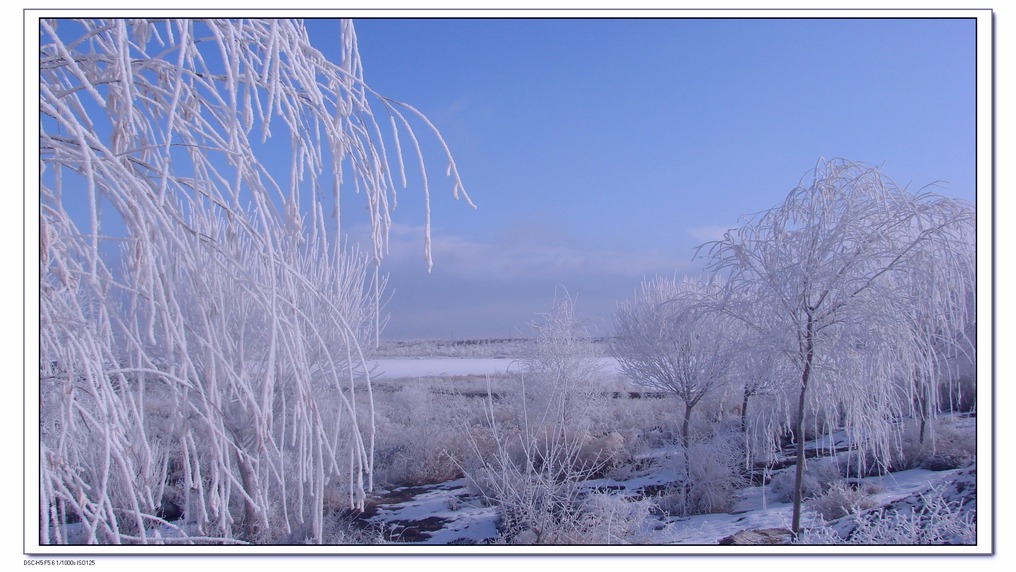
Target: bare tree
669 338
855 274
534 459
202 322
562 378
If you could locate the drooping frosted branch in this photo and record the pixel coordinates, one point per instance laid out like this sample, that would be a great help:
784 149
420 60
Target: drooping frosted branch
868 287
198 304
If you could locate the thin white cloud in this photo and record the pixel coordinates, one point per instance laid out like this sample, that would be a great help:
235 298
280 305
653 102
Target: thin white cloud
524 260
708 233
496 288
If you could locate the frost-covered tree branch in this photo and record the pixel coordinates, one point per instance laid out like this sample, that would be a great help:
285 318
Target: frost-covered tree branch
203 324
868 286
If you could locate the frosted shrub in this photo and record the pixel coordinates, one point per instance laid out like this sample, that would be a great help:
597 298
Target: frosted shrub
937 522
615 519
341 529
561 383
533 473
715 478
533 484
558 404
930 518
605 451
819 476
420 434
950 439
716 475
541 509
649 421
839 500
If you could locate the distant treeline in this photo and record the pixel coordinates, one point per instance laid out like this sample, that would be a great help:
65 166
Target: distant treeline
472 348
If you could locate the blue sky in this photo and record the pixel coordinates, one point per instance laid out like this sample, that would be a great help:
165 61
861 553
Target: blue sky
599 152
603 151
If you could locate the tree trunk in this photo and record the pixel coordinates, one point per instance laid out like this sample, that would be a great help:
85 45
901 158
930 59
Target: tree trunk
799 468
923 409
255 523
809 353
685 442
686 427
744 411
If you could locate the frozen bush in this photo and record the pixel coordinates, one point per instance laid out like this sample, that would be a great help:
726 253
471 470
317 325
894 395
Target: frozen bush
560 513
716 477
937 522
614 519
714 480
342 528
603 451
934 517
533 474
952 438
550 408
819 476
419 433
839 500
561 384
538 500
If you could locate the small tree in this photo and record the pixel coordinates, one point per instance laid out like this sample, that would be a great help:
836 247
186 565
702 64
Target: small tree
562 377
534 459
669 338
846 267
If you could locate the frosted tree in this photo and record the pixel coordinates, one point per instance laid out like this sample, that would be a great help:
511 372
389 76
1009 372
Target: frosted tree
202 321
867 285
546 437
669 338
561 378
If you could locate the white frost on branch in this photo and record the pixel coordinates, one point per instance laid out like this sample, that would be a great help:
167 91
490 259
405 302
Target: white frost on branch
869 289
202 323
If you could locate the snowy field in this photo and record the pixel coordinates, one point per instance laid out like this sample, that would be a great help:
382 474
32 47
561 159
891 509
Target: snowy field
397 368
453 513
464 519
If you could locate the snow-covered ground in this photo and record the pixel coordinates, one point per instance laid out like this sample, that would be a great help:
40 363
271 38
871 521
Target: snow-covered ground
449 513
757 511
396 368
